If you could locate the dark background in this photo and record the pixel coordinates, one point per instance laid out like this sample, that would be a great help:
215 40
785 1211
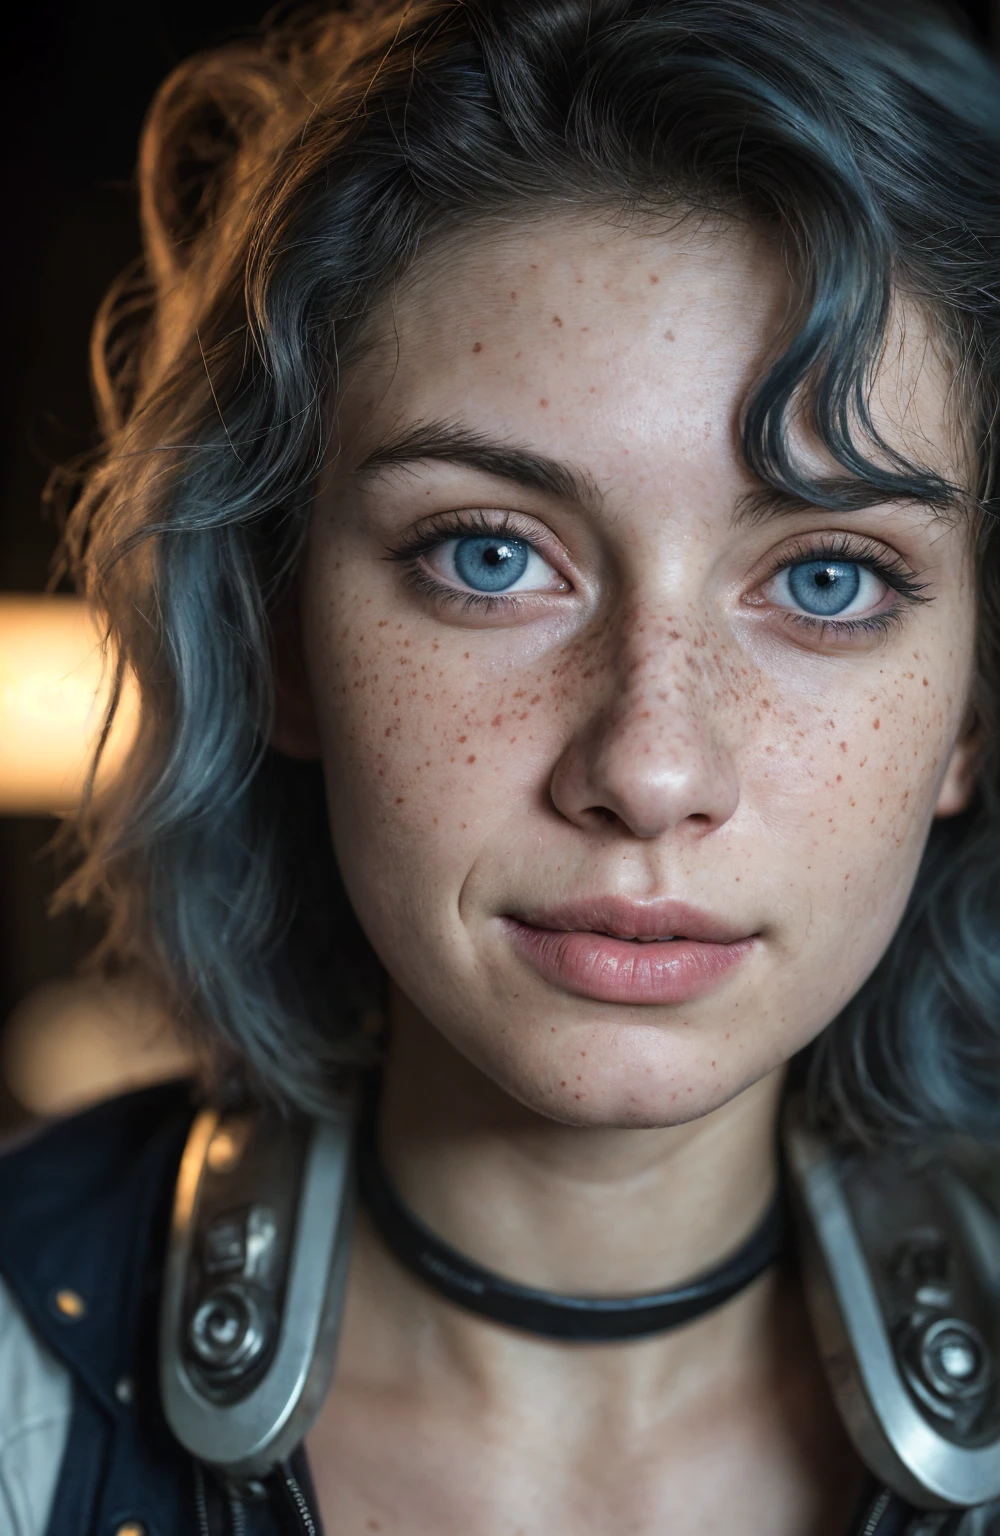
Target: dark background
75 80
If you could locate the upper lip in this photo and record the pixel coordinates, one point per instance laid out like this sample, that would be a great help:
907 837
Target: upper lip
621 918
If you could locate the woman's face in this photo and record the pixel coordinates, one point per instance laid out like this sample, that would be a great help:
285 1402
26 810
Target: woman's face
630 768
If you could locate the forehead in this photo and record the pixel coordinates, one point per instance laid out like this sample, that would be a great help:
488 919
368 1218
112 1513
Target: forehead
576 327
614 349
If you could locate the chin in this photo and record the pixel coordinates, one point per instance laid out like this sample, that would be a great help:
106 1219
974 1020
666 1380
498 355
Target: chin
603 1086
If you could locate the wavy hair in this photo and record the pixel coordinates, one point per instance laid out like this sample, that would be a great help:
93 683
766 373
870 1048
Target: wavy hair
287 182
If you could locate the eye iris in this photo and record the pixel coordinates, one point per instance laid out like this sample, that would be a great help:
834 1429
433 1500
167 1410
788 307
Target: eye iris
824 587
491 565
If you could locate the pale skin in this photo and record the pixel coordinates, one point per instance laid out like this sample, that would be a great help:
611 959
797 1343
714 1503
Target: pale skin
648 717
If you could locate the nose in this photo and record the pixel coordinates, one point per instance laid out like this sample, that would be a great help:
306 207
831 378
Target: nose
650 757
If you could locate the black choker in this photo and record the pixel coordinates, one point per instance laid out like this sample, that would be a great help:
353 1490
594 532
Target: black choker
583 1319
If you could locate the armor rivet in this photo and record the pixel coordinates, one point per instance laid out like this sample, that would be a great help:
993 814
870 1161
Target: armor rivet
124 1389
70 1305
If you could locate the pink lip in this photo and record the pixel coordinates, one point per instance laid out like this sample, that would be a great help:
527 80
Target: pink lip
593 949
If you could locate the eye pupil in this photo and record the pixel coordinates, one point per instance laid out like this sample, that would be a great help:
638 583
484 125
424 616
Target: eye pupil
491 564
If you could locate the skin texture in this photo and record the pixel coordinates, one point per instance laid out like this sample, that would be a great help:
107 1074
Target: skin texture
653 721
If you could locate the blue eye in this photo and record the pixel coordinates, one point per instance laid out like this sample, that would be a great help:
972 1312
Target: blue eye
490 564
825 587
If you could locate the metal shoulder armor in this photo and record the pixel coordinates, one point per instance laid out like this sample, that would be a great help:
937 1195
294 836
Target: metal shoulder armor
901 1263
254 1282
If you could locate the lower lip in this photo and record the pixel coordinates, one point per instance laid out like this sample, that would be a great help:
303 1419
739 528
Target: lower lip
623 970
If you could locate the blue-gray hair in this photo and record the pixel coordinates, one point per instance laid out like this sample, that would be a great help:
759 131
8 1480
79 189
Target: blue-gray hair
287 182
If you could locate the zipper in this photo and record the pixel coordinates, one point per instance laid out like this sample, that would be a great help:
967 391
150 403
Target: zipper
885 1503
237 1515
876 1510
306 1523
201 1500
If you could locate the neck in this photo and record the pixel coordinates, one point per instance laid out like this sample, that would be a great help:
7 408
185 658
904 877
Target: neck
585 1211
575 1210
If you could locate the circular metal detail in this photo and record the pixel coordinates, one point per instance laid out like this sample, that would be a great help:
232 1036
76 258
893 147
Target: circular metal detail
131 1528
70 1305
229 1331
954 1361
124 1389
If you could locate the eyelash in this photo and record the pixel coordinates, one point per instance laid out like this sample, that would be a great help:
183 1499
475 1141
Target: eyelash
857 549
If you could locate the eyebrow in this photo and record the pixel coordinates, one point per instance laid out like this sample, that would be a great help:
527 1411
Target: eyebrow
451 443
767 503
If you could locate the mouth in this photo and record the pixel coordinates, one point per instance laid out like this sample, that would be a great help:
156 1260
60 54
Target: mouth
616 951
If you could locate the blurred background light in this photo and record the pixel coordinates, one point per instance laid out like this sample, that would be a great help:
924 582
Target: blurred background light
53 694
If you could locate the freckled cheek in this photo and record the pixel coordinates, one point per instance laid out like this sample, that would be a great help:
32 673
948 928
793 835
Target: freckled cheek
416 745
852 790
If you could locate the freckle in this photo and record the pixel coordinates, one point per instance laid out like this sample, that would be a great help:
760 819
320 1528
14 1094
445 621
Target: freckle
876 725
653 277
478 347
544 403
843 746
926 683
536 699
556 321
471 759
382 623
563 1083
463 825
497 720
577 1095
399 799
668 335
461 739
839 778
388 730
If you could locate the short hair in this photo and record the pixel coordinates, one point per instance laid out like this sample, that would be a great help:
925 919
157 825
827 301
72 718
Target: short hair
287 182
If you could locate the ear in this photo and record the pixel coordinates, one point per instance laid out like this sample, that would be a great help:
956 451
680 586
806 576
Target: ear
962 772
294 731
